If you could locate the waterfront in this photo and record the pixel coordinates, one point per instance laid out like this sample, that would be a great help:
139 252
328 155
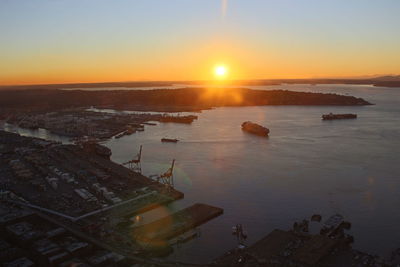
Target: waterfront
306 166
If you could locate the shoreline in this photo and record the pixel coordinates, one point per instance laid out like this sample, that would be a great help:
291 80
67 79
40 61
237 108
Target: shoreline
166 100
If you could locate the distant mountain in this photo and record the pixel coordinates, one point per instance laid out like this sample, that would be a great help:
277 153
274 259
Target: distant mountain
388 78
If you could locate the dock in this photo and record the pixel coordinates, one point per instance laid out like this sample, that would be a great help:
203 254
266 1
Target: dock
175 224
301 247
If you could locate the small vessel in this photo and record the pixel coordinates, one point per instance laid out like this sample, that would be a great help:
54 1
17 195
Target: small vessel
169 140
332 116
254 128
330 225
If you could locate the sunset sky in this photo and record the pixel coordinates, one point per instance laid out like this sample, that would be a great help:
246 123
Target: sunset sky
63 41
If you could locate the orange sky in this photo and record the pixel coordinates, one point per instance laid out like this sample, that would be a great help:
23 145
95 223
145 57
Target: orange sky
61 43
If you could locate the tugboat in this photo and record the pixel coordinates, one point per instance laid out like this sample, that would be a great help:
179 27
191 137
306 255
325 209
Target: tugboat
332 116
169 140
254 128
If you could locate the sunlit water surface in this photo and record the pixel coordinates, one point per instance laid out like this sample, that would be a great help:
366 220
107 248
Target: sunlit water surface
306 166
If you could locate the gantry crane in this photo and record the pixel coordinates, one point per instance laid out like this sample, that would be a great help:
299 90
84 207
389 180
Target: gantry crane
135 164
166 178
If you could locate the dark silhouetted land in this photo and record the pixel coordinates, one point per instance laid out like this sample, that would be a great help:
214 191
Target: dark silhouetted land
383 81
188 99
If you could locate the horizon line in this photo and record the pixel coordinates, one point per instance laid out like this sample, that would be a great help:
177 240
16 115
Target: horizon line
362 77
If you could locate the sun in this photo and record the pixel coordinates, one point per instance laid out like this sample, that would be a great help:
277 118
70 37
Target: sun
220 71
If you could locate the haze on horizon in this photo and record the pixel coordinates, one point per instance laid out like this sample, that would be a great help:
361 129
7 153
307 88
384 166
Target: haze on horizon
68 41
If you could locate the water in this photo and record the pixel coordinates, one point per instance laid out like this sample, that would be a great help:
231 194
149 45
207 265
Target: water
306 166
39 133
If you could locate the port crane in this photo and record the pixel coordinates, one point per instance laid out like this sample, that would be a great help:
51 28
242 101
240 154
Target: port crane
167 178
135 164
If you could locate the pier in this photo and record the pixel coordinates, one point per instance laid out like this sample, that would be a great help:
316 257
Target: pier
176 223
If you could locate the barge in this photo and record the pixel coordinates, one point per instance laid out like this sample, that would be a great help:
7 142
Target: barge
332 116
254 128
169 140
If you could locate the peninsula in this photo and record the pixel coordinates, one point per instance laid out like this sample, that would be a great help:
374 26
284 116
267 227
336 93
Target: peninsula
166 100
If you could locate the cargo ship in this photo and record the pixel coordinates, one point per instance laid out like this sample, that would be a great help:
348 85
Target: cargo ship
254 128
332 116
169 140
